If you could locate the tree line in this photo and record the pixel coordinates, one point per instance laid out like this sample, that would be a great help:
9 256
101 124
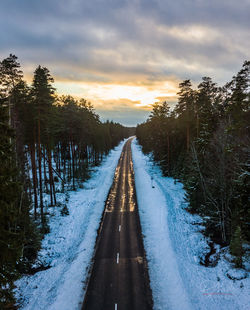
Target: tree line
48 143
204 142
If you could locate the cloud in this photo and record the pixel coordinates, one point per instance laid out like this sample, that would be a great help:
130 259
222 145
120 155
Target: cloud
136 95
130 46
123 111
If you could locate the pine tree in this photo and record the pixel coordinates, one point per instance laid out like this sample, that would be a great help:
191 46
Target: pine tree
43 98
10 76
185 108
239 102
11 239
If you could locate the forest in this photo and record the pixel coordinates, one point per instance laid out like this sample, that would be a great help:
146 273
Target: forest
50 143
204 142
48 146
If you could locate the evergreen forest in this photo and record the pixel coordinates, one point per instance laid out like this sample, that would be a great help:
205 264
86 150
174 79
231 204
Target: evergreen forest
48 145
204 142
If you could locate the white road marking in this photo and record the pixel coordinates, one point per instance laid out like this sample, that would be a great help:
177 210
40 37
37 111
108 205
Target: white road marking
115 306
119 227
117 258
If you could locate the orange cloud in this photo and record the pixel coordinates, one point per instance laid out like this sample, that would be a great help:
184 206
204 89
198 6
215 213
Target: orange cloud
136 95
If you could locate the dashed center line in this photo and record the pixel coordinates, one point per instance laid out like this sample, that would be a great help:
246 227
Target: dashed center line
117 258
115 306
119 227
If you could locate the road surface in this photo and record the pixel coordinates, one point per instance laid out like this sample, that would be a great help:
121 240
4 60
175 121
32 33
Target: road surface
119 277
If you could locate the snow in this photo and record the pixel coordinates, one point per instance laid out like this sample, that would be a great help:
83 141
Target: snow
69 246
174 245
172 238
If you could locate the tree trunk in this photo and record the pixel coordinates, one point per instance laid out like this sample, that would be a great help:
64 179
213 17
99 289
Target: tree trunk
34 177
197 126
51 179
168 143
44 171
40 165
73 163
188 137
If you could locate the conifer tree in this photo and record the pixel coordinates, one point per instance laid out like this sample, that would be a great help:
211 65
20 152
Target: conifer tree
43 98
185 108
10 76
213 122
10 194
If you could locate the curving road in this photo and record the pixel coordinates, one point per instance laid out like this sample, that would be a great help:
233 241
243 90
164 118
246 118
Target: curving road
119 278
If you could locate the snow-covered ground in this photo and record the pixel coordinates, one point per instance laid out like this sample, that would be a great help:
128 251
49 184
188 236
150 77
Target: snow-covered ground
172 242
174 245
69 246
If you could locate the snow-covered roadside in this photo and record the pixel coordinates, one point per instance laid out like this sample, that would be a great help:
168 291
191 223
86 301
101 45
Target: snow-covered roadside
68 248
174 244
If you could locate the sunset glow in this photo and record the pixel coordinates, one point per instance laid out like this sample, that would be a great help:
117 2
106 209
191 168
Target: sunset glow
141 96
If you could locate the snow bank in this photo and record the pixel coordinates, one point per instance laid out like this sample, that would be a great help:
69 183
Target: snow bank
68 248
174 244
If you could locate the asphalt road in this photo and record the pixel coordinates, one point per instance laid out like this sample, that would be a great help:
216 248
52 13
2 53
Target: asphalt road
119 277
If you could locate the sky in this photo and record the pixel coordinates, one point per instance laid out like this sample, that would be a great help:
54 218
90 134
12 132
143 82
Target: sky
124 55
